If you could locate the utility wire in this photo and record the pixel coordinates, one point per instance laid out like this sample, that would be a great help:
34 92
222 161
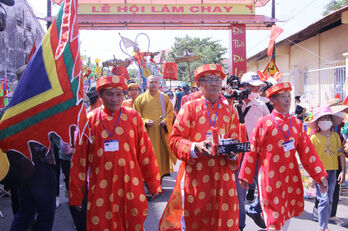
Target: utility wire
298 12
310 52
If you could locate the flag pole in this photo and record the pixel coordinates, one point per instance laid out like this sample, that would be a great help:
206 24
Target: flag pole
49 13
273 16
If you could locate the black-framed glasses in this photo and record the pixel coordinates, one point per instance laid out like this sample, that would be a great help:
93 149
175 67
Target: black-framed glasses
210 80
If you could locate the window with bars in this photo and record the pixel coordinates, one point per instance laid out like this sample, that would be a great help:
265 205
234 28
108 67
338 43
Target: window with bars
340 80
305 83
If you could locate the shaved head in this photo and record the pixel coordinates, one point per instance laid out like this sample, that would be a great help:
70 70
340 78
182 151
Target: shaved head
152 77
153 84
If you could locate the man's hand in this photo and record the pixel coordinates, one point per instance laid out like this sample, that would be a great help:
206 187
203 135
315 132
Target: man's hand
323 186
311 182
151 197
148 123
201 147
232 155
341 177
78 207
243 183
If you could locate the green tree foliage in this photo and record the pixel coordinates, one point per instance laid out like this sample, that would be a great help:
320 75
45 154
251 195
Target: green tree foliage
334 5
133 74
210 52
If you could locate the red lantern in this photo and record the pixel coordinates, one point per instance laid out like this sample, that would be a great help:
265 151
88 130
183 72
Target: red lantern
170 71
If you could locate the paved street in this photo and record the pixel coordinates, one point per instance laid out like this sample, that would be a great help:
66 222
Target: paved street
63 221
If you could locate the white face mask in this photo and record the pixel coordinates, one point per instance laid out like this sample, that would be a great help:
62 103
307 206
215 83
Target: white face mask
324 125
253 95
345 136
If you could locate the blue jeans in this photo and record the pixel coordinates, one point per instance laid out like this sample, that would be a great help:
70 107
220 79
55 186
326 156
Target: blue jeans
325 200
254 184
255 207
38 196
79 217
241 192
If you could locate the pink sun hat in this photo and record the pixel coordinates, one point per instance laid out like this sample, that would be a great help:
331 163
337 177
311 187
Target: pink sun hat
323 111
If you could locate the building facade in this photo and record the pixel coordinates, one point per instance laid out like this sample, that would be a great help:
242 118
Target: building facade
16 41
314 59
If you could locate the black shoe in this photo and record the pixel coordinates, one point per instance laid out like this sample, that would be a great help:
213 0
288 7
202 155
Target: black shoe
257 218
250 195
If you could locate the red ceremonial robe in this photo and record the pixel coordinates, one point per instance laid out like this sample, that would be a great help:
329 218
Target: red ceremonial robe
190 97
128 103
279 179
116 198
204 197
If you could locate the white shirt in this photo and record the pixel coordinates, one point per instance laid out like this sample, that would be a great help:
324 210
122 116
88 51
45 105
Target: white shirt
258 109
173 101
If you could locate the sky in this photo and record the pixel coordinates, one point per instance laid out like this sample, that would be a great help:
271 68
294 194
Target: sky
292 16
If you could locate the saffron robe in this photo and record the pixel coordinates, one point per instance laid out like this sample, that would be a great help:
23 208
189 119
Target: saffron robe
279 180
116 198
149 107
205 196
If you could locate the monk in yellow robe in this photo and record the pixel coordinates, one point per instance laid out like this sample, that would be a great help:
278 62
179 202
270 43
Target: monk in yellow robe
157 118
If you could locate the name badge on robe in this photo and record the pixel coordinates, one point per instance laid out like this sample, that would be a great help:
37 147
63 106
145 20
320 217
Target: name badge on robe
288 145
111 145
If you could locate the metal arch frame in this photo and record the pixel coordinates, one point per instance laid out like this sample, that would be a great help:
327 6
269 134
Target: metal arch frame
173 22
101 14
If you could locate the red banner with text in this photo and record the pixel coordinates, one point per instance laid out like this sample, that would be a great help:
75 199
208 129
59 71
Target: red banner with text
238 56
176 9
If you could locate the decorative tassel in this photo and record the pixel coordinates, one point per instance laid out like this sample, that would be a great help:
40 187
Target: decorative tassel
215 141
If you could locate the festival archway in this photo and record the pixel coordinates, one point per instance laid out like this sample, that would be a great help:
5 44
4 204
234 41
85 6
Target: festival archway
234 15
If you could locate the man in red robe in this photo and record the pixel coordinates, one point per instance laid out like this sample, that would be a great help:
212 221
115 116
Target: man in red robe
117 159
190 97
274 142
204 197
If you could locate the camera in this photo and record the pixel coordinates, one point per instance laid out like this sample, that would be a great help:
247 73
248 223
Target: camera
239 90
232 145
229 145
3 13
3 16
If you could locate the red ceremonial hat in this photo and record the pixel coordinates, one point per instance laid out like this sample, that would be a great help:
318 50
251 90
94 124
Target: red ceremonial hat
133 85
107 82
210 69
278 88
122 71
